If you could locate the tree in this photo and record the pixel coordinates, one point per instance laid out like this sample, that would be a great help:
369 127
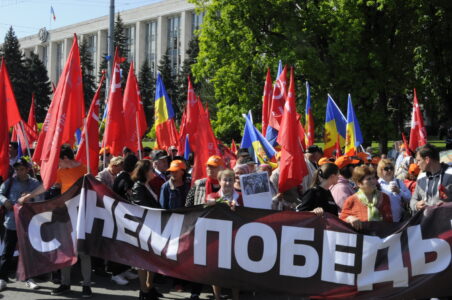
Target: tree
169 80
17 72
146 83
39 85
86 61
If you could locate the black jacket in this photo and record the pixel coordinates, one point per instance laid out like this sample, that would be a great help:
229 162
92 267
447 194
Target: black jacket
142 196
318 197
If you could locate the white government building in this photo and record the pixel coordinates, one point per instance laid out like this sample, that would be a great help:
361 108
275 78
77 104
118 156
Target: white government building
152 30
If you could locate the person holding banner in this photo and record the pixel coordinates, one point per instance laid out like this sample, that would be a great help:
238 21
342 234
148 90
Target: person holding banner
10 191
143 195
318 199
368 204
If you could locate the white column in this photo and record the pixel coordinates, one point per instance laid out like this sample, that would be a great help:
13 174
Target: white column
162 36
51 65
140 44
185 33
67 48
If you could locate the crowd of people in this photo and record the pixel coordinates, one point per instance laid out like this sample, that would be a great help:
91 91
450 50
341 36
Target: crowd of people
357 189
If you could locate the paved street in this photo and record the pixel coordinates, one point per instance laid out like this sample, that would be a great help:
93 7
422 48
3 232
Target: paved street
104 288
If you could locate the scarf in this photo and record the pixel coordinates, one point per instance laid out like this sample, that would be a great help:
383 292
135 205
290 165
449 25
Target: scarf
373 214
209 183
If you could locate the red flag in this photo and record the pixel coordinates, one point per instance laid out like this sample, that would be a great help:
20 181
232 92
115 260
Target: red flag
266 102
301 132
92 127
4 129
182 134
418 134
278 100
65 115
114 135
18 134
31 115
408 151
233 147
134 119
12 112
292 164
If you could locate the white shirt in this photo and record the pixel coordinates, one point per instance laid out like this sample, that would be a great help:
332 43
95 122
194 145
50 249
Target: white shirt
396 199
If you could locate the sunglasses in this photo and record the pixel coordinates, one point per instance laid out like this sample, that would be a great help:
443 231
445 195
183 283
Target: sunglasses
387 169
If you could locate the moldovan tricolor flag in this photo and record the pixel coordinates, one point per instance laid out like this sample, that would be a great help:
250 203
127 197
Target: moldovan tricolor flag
353 138
65 115
134 119
89 156
418 134
9 116
309 119
114 135
165 129
292 164
335 127
266 102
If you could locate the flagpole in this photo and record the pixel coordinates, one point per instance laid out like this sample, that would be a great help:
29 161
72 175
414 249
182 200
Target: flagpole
88 165
138 136
26 143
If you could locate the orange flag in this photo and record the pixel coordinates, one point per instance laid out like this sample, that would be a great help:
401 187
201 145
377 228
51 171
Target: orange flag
292 164
65 115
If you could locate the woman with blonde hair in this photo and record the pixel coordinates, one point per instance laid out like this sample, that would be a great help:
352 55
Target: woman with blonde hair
398 193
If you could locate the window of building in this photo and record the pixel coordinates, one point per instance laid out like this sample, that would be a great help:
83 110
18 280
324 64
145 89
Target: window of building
59 61
151 45
130 35
196 22
92 50
174 45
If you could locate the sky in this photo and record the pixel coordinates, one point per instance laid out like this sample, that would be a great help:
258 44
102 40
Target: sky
28 16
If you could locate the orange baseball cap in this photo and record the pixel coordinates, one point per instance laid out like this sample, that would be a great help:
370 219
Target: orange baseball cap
344 160
215 161
323 160
177 165
414 169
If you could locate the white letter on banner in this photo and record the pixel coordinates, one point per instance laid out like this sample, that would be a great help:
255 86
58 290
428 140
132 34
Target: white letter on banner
331 257
72 209
152 227
121 210
224 229
419 247
395 272
270 247
103 213
289 250
34 233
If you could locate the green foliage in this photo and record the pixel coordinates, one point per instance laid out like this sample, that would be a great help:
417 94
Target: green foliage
39 85
146 83
86 61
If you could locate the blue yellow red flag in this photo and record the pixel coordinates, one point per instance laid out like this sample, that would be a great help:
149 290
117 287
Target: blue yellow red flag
335 127
163 107
353 137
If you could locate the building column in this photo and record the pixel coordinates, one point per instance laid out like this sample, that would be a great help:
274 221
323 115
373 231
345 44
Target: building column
51 61
67 48
140 44
162 36
185 33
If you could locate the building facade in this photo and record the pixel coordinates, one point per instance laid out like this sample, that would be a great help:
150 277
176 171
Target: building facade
151 30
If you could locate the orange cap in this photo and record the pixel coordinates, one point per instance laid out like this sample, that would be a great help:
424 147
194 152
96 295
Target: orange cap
101 152
176 165
323 160
344 160
414 169
215 161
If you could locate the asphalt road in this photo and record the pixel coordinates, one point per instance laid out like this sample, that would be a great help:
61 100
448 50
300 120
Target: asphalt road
104 288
